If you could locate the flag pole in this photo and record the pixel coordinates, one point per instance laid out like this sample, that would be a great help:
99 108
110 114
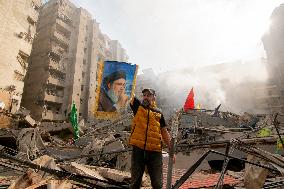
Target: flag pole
174 132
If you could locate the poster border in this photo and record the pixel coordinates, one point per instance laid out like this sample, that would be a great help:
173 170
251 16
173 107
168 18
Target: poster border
109 115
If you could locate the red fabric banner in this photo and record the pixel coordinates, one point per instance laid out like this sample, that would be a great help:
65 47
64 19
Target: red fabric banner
189 103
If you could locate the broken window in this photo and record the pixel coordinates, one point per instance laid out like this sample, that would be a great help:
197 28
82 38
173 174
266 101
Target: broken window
35 6
58 38
31 20
18 76
28 35
23 59
57 74
66 33
55 57
20 35
64 18
54 90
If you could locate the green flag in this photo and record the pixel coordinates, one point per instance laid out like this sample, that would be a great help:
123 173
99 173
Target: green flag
74 121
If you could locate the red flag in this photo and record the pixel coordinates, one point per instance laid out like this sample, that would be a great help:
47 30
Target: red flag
189 103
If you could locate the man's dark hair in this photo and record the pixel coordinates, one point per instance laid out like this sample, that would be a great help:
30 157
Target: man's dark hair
113 77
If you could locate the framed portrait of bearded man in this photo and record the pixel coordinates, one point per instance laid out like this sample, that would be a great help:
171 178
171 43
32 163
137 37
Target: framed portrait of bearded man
116 84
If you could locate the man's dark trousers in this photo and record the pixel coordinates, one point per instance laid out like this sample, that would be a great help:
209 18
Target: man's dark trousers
153 160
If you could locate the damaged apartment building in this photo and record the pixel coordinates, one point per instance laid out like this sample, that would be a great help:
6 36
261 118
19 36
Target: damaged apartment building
63 62
271 96
17 32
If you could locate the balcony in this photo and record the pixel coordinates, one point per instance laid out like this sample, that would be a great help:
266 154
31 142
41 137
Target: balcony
53 98
56 66
54 81
61 39
63 24
58 50
50 115
32 15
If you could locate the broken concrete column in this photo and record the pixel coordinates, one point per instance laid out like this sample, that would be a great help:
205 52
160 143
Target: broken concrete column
254 177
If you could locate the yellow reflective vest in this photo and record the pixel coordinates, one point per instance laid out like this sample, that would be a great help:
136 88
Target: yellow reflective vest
146 130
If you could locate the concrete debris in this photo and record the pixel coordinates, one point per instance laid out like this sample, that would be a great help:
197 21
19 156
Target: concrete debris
123 161
122 176
30 120
54 126
30 143
30 178
255 177
102 150
102 145
81 169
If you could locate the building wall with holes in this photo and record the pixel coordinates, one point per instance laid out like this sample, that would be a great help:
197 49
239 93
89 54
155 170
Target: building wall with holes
18 20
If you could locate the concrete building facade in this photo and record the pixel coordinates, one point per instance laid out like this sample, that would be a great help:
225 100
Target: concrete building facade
118 53
272 99
63 62
18 28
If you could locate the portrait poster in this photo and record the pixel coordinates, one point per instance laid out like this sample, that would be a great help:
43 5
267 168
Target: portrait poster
116 84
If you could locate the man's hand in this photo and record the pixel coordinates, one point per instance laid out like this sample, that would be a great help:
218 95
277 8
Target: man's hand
122 100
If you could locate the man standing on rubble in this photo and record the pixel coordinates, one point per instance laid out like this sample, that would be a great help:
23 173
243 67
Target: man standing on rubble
148 130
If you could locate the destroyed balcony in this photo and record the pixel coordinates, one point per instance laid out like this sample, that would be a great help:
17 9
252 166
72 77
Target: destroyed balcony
58 50
57 66
53 98
50 115
63 30
32 16
22 60
63 24
55 81
60 39
54 57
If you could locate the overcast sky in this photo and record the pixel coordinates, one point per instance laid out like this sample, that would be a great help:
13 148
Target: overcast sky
173 34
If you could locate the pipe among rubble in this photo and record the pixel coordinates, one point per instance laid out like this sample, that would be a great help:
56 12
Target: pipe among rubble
63 174
92 155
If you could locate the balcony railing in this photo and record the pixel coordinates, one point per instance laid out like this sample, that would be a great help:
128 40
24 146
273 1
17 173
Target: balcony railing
61 39
63 24
52 98
50 115
22 62
55 81
33 15
58 50
56 65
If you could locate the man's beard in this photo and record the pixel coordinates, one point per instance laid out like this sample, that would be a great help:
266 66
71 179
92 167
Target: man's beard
146 103
112 96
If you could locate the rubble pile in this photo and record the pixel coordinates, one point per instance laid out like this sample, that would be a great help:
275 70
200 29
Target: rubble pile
44 154
199 127
252 143
100 157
